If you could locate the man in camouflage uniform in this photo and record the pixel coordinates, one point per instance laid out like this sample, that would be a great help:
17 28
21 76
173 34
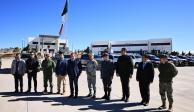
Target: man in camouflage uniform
48 67
167 72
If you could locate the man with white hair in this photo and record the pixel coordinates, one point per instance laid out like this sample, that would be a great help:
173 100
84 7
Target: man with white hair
18 68
91 75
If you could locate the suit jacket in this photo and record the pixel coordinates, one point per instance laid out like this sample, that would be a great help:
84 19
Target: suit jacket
32 64
21 67
146 73
74 68
61 67
107 69
124 66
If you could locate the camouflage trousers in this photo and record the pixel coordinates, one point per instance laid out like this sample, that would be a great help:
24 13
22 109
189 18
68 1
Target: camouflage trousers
46 78
166 88
91 83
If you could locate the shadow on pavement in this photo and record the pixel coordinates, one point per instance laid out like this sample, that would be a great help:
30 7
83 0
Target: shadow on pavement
10 94
5 71
92 104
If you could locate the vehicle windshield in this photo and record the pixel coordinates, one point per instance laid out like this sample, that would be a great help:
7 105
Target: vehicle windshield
116 56
153 57
85 57
66 56
137 56
97 56
183 57
25 56
111 57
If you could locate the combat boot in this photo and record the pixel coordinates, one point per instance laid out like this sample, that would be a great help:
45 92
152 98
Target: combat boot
51 90
108 96
89 94
170 109
45 90
163 106
105 94
94 95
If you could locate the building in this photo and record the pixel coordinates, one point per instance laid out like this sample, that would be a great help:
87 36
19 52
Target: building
134 46
98 46
46 43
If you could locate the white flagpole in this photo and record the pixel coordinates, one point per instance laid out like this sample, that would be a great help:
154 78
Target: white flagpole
64 29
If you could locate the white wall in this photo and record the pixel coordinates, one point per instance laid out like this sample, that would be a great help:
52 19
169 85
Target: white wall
148 48
47 40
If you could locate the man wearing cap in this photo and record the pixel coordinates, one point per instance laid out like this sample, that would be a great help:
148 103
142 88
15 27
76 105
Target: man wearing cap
32 66
145 76
48 67
167 72
124 69
91 67
18 69
107 72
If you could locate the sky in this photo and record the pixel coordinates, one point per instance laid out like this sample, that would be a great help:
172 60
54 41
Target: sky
98 20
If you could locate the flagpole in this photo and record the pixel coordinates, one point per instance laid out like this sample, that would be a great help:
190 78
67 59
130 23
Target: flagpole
64 23
66 28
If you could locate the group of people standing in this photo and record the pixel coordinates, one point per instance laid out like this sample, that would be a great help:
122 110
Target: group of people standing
62 68
72 68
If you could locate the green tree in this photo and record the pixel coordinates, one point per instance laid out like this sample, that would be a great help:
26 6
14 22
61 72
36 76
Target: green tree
87 50
16 49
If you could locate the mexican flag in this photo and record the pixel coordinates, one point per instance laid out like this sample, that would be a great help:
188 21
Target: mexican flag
64 13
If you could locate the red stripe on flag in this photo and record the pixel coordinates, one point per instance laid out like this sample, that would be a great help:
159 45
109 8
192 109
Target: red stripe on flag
61 29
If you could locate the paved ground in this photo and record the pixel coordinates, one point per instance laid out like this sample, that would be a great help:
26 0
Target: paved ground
31 102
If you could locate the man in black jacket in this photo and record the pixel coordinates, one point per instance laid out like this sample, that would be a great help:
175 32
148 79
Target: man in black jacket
145 76
74 70
107 72
124 69
32 66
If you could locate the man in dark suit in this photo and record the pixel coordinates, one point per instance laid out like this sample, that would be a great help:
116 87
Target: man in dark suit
145 76
32 66
74 70
124 69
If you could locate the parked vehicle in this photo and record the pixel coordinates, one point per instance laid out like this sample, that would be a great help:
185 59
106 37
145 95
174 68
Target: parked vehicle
67 56
98 58
114 57
85 58
179 61
0 62
185 60
174 60
154 59
136 59
170 59
191 61
57 57
25 56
